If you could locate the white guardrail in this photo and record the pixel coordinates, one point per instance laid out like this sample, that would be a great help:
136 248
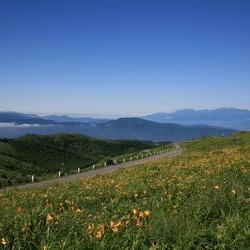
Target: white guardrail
115 162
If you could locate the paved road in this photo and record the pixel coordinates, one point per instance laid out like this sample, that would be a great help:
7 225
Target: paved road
100 171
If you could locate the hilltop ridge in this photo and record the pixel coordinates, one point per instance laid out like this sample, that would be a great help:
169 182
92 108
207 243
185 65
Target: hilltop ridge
42 155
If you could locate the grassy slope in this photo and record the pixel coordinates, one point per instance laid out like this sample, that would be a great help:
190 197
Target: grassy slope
41 155
199 200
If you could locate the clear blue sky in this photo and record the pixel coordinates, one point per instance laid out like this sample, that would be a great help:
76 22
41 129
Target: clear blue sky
124 57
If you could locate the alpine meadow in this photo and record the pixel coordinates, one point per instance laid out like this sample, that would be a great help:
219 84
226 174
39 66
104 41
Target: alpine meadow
124 125
198 200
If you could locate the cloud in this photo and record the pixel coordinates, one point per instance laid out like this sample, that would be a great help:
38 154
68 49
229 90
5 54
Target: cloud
14 125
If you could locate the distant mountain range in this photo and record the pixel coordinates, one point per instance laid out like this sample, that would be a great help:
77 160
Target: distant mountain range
19 118
232 118
65 118
135 128
16 124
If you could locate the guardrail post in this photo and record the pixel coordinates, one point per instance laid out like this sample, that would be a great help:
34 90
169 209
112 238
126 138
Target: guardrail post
93 166
105 164
59 174
78 170
32 178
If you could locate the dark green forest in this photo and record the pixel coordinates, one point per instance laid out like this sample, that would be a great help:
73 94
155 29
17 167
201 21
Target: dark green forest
41 155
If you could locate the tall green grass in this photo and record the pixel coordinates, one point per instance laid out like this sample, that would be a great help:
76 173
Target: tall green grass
198 200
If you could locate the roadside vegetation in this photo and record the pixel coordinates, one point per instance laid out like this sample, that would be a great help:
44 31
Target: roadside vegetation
43 156
198 200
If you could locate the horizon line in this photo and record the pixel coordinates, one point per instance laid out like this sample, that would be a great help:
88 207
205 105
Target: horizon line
110 116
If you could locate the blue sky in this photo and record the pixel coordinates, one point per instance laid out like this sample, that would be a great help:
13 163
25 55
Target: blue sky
124 57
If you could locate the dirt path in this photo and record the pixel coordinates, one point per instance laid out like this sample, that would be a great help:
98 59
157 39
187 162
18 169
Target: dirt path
100 171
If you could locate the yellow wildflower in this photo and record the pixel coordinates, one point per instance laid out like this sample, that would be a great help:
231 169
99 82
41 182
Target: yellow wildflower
126 222
91 228
139 223
25 228
78 210
141 214
114 226
100 231
134 211
3 241
114 229
51 218
19 210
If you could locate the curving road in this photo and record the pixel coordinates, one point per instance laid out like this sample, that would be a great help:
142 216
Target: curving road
100 171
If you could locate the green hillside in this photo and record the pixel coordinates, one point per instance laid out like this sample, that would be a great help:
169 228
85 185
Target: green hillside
197 200
44 155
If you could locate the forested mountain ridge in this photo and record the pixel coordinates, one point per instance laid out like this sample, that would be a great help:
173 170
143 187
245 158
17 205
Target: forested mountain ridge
42 155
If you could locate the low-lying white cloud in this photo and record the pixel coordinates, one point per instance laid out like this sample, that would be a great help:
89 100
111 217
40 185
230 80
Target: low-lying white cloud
14 125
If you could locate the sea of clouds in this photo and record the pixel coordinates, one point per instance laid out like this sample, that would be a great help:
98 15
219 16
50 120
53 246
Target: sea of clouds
15 125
